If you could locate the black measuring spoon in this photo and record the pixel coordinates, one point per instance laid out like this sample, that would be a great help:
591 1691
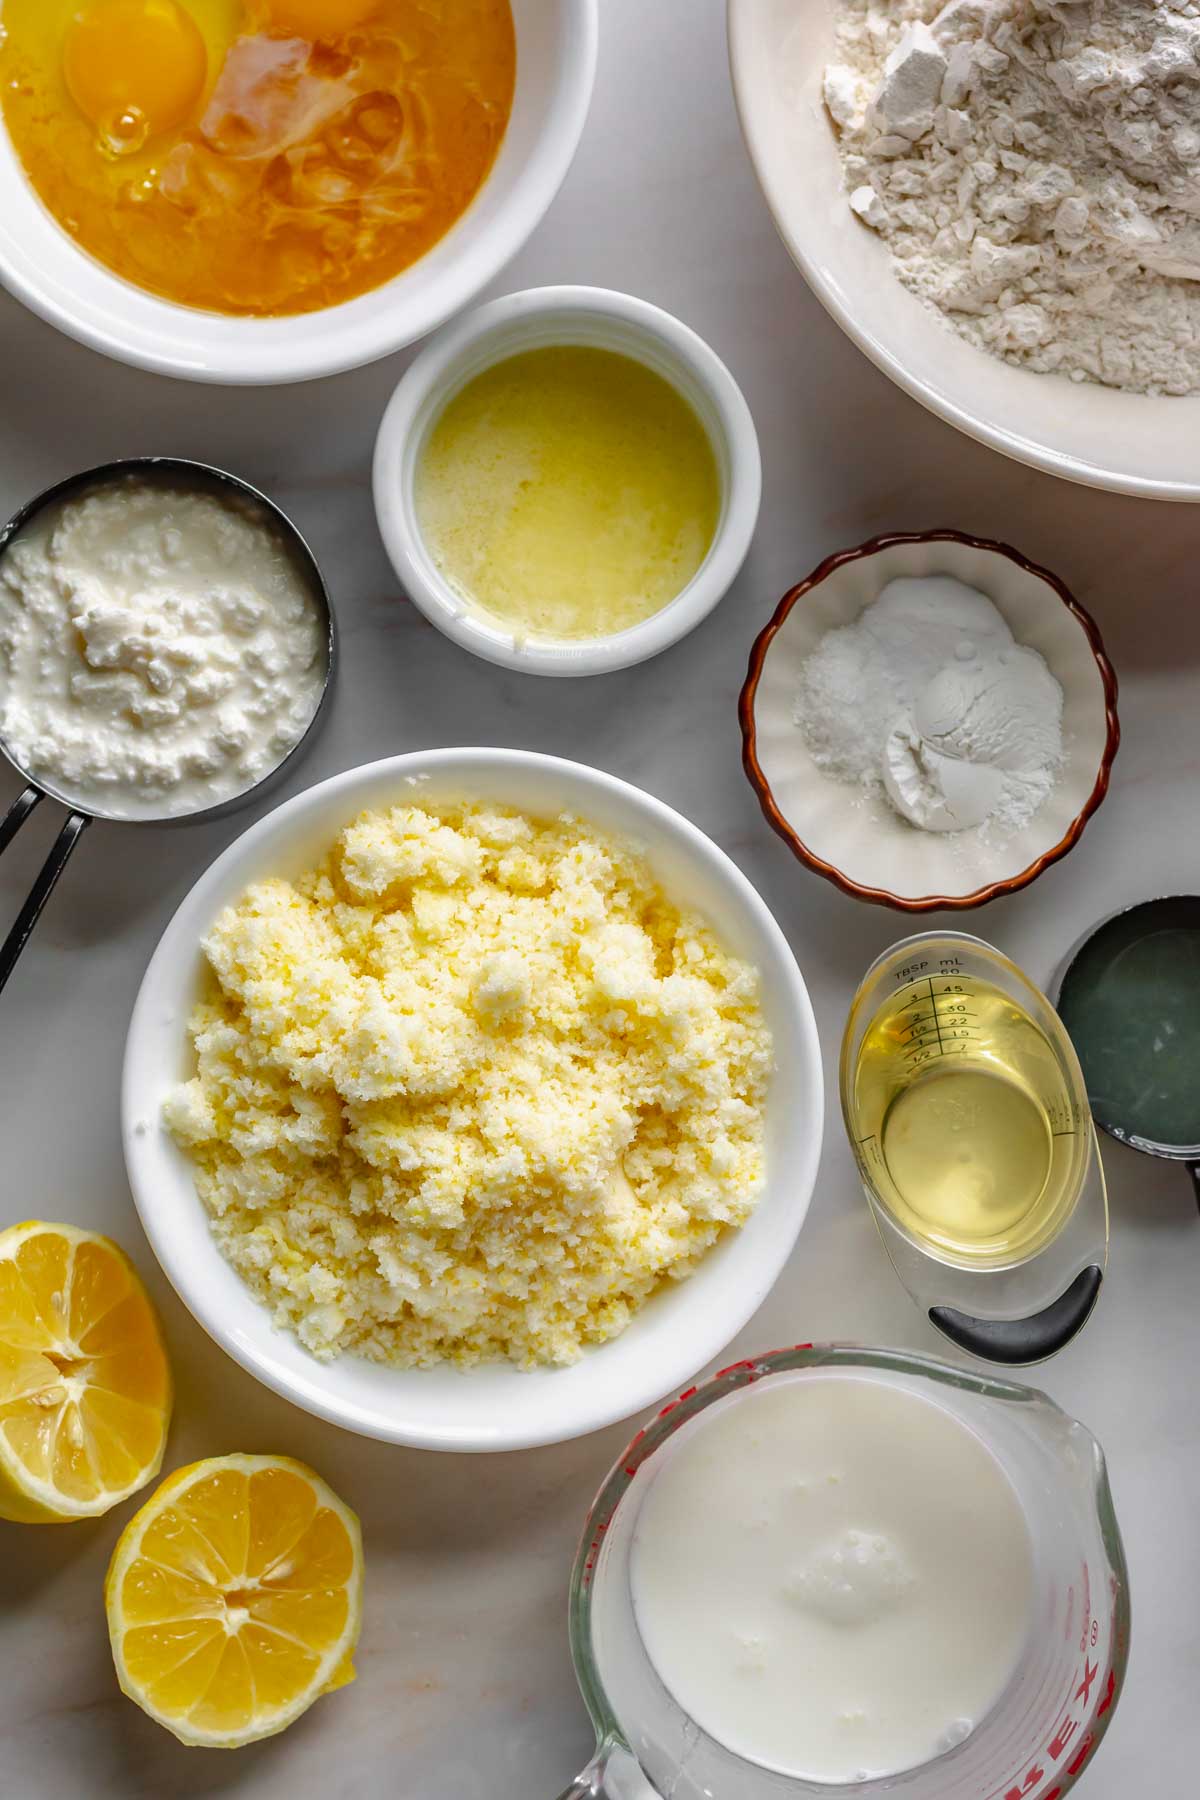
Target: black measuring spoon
1130 1000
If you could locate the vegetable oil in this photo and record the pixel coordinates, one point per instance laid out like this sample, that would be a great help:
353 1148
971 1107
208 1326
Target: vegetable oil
964 1121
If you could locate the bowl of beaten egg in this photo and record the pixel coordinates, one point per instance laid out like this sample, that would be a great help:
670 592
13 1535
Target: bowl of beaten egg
343 1189
263 191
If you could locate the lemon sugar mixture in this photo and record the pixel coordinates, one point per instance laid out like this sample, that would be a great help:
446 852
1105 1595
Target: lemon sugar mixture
471 1089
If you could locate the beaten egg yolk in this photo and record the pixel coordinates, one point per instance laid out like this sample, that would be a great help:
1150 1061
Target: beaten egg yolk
317 19
135 68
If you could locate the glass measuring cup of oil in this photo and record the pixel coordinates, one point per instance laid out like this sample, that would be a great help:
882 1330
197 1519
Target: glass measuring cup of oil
968 1116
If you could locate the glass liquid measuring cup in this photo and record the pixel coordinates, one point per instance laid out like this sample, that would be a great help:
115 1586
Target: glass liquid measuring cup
1043 1732
967 1112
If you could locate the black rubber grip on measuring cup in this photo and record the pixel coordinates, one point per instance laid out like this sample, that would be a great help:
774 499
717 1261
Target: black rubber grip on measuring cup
1024 1340
1194 1172
43 887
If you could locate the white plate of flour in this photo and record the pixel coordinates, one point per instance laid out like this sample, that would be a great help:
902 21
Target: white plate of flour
1107 437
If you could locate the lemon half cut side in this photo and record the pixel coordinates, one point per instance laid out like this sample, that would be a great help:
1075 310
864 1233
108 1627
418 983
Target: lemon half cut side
85 1388
234 1599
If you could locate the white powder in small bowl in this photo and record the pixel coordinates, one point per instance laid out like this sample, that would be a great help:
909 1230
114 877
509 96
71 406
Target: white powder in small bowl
928 699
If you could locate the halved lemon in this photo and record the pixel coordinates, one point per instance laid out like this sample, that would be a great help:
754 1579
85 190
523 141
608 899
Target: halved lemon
85 1390
234 1598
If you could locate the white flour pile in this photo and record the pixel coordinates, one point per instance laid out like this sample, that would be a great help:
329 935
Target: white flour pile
1035 168
927 698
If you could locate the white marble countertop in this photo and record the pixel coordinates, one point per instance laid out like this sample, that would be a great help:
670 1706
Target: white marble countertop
465 1688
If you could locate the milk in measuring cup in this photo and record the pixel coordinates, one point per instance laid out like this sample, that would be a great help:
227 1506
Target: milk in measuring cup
833 1576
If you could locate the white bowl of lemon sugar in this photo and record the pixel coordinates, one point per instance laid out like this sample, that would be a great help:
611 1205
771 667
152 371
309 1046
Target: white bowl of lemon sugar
492 1405
635 338
929 721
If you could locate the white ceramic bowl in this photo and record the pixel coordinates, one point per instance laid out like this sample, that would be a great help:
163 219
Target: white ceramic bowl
1132 443
496 1407
44 268
528 321
860 843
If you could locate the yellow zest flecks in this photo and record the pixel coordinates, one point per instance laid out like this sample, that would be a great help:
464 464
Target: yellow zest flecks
472 1088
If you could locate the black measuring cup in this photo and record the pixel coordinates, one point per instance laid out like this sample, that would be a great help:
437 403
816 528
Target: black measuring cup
1130 1000
174 472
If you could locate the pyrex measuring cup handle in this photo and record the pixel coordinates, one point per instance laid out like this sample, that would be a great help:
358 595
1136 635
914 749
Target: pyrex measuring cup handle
1193 1170
612 1775
1024 1340
44 886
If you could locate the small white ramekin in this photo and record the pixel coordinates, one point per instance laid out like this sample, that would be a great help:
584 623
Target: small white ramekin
530 321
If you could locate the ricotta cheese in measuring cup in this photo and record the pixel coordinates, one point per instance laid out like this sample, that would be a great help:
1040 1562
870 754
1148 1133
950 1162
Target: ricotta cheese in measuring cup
161 650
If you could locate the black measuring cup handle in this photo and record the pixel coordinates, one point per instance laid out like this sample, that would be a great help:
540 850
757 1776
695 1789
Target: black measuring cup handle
1030 1340
48 875
1193 1170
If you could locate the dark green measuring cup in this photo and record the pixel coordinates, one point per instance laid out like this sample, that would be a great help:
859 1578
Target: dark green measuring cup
1130 1000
